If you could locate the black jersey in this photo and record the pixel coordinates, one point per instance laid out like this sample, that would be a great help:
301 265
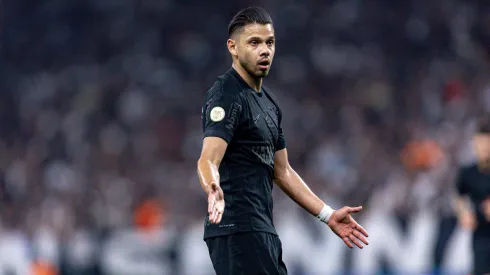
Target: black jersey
250 122
476 184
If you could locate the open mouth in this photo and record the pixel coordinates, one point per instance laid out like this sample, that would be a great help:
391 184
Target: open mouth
264 64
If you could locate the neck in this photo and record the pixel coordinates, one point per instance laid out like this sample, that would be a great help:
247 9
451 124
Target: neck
254 82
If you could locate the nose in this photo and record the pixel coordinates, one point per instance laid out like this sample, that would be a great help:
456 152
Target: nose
265 51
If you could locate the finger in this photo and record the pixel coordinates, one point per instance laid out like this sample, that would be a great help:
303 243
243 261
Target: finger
211 202
354 209
215 213
219 209
362 230
360 237
355 241
218 218
346 241
212 214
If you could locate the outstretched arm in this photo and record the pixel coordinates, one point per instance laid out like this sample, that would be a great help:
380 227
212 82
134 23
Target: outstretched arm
219 126
213 150
340 221
294 186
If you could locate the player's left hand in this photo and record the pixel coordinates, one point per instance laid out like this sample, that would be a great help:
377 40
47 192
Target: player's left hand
346 227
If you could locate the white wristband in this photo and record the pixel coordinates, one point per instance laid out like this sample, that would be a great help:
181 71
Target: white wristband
325 214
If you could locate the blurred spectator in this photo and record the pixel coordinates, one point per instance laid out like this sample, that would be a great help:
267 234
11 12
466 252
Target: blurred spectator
100 128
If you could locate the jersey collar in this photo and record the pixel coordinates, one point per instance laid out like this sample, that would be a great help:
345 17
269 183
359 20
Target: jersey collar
242 82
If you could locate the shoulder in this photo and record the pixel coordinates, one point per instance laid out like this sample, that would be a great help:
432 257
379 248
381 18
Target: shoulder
223 98
225 86
270 93
273 98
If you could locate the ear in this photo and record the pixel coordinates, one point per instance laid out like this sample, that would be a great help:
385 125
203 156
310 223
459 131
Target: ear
232 46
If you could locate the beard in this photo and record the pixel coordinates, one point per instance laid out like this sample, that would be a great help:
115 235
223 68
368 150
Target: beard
253 69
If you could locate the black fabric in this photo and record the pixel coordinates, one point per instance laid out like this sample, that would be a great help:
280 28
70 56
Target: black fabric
481 255
250 122
476 184
252 253
446 228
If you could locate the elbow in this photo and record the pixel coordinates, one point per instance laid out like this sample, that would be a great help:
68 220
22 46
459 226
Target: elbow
199 165
203 160
206 162
281 174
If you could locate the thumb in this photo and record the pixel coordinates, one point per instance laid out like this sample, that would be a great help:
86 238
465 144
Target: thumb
354 209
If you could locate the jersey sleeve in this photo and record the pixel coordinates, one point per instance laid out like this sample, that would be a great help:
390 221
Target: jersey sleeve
221 115
281 141
461 184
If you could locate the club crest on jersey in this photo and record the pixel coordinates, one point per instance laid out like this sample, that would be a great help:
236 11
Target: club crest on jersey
217 114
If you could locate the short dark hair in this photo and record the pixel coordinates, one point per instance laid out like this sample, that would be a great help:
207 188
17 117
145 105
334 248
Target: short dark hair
247 16
483 126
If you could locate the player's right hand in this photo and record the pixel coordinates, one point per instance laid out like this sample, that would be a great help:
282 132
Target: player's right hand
467 220
216 203
342 224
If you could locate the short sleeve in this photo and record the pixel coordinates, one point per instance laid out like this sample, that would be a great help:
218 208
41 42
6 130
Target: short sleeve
461 185
221 115
281 141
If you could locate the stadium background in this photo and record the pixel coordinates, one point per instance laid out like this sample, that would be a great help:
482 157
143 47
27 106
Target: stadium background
100 130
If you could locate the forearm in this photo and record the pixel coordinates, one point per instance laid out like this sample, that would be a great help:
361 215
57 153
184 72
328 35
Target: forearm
294 186
208 173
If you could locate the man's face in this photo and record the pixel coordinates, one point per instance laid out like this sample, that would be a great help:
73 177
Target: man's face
255 47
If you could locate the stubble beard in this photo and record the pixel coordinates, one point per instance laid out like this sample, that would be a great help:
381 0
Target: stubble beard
253 70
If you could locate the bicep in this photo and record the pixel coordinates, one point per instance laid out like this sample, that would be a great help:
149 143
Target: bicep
213 149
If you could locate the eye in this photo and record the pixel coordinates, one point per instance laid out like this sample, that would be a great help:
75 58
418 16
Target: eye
254 42
270 42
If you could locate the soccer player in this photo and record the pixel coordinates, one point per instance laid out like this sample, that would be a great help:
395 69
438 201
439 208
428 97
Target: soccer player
244 152
474 182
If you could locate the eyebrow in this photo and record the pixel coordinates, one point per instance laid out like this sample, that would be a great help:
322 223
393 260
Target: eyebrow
259 38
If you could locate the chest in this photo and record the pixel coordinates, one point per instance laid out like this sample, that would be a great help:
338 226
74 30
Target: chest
262 123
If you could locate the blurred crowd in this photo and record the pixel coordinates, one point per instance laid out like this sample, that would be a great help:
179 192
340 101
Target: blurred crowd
100 105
